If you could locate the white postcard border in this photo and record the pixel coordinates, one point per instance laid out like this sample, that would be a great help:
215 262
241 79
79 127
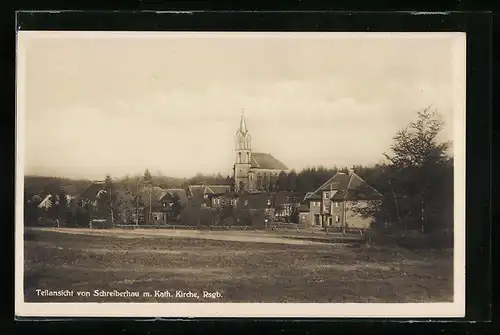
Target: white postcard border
297 310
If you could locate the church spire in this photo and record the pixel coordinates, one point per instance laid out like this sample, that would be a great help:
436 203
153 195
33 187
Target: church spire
243 123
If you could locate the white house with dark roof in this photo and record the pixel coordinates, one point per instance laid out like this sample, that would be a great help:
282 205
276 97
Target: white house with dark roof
333 203
253 171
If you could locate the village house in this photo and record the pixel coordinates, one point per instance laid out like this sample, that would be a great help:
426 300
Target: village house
46 203
253 171
92 193
207 195
169 199
284 204
89 199
333 203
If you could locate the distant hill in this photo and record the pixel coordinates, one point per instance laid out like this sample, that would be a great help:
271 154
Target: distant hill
44 185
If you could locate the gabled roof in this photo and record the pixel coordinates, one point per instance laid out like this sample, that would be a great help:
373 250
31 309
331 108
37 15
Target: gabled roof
218 189
340 181
308 194
156 193
91 193
311 196
209 189
346 187
69 189
196 193
172 192
357 189
261 160
46 202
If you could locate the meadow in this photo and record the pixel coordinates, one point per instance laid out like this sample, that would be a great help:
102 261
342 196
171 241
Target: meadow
233 266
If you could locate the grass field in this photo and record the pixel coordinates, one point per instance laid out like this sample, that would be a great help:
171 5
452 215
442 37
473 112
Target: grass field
241 267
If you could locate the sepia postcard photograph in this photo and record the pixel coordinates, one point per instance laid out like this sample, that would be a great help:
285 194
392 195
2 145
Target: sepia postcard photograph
240 174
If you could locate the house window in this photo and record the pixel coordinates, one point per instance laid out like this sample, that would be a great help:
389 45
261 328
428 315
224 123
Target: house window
337 218
205 196
337 205
326 195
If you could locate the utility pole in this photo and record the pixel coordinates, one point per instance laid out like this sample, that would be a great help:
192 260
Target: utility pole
111 206
150 202
422 215
137 205
395 203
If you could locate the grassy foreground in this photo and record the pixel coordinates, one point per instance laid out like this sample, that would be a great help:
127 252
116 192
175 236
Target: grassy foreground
228 271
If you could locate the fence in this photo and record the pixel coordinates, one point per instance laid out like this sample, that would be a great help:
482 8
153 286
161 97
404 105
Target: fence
270 227
181 226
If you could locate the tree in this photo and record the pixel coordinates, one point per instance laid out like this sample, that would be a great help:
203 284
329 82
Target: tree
61 205
176 206
292 181
125 206
294 215
226 210
147 178
419 170
282 181
110 190
73 213
148 181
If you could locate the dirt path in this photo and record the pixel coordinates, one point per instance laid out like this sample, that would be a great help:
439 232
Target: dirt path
258 237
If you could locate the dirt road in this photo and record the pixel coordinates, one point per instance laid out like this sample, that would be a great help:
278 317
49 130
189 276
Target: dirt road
236 236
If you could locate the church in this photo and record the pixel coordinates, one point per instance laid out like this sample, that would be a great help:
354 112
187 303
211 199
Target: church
253 171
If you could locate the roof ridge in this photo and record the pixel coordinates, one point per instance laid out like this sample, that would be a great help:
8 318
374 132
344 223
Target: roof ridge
366 183
324 184
348 185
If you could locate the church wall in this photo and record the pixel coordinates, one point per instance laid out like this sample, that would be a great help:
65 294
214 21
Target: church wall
263 177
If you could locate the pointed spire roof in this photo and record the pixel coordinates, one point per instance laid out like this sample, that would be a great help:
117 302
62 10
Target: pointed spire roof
243 124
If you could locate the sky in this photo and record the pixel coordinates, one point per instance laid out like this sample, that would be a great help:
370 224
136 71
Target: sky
118 103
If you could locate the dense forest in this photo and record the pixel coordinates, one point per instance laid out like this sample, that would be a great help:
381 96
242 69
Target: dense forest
416 181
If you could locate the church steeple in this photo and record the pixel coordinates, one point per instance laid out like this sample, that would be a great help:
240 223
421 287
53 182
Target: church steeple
243 124
243 157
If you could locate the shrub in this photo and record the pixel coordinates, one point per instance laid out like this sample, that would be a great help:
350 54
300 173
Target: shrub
196 216
229 221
